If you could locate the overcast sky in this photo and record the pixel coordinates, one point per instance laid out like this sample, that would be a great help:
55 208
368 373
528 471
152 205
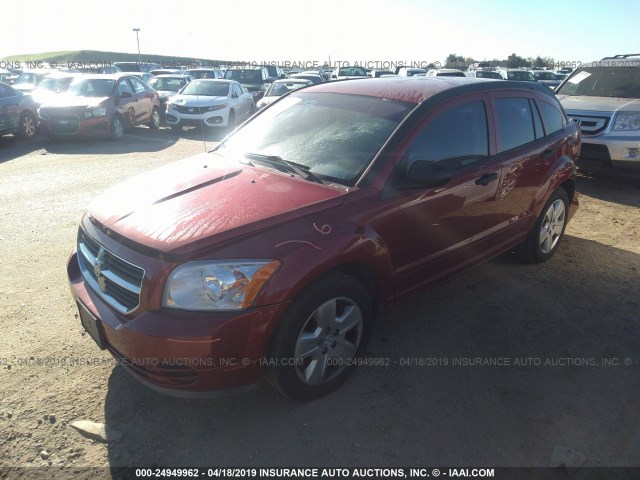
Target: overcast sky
344 30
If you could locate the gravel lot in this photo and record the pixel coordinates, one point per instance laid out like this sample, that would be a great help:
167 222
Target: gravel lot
572 324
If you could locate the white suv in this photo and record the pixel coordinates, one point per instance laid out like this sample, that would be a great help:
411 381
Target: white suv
603 98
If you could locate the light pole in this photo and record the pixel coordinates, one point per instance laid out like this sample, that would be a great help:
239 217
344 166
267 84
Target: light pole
137 30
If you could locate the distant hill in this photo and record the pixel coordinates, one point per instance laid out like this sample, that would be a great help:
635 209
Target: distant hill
86 57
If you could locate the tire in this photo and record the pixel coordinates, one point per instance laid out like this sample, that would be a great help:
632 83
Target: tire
27 126
231 124
314 333
117 128
543 240
155 119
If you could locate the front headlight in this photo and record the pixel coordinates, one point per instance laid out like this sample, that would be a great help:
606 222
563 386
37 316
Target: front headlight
627 121
217 285
213 108
100 112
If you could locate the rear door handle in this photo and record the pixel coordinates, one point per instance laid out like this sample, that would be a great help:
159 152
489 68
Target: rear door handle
486 179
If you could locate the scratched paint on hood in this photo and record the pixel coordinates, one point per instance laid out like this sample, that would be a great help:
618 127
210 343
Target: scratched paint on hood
202 196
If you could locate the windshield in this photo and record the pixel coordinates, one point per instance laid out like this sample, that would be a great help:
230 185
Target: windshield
244 76
95 87
128 66
621 82
545 76
489 75
451 74
277 89
521 76
52 84
25 78
334 135
207 88
203 73
352 72
169 84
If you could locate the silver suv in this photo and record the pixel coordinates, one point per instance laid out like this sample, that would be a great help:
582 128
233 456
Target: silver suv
603 98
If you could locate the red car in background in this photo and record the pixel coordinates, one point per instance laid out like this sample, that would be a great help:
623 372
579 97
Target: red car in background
100 105
270 255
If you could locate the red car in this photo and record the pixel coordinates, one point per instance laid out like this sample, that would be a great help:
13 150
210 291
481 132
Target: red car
100 105
270 255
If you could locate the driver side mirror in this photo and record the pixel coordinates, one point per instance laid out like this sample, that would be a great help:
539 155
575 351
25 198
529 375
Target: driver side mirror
427 174
125 95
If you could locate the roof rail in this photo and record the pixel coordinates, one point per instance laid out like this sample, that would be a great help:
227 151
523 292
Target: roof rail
622 56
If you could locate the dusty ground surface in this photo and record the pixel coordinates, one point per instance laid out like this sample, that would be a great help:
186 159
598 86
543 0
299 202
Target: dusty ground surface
562 320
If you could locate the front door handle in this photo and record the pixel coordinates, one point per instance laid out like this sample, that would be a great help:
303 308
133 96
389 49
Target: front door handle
548 154
486 179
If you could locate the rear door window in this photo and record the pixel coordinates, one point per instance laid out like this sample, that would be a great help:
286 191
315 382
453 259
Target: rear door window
515 122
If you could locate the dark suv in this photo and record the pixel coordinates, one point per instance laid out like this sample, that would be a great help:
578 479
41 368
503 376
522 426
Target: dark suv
255 79
271 254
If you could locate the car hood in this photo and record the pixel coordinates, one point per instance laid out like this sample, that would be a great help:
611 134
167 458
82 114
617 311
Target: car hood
603 104
63 100
166 93
203 201
197 100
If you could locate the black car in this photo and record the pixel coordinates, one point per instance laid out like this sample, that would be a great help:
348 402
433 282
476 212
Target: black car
254 79
275 72
17 112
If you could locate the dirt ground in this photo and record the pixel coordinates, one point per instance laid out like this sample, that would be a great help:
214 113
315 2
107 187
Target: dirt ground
568 332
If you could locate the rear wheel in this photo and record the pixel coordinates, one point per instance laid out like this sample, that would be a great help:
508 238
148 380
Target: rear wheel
27 127
320 337
544 238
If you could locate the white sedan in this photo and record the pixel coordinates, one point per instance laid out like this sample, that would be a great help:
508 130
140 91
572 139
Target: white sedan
210 103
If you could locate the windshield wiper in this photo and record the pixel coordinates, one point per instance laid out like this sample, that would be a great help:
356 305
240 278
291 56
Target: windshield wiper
289 167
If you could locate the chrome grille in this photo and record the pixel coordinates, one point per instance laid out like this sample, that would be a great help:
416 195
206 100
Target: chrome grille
590 124
64 123
192 110
117 281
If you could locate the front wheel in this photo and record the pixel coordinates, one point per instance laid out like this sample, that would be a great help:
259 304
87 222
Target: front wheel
117 128
544 238
155 119
231 124
320 338
27 127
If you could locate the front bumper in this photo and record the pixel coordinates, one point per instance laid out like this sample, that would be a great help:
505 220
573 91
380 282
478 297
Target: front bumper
216 118
184 354
70 126
621 151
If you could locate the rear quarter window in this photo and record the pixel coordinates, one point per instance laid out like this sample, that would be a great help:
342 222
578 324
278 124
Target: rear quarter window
552 117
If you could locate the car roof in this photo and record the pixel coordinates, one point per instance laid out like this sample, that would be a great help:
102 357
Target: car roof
173 75
217 80
614 62
416 90
291 79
